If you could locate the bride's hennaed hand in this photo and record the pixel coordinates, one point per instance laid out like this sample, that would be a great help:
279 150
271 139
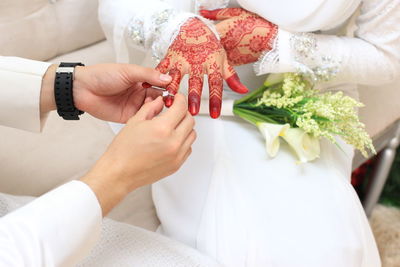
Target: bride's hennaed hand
244 35
197 51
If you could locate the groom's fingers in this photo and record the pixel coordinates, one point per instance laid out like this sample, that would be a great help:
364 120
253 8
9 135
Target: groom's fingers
135 74
223 13
187 145
185 127
175 114
149 110
153 93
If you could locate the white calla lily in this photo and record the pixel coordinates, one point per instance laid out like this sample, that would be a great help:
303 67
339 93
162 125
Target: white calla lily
271 133
274 78
305 146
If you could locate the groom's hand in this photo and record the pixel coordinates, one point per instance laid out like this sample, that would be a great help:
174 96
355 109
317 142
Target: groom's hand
114 92
147 149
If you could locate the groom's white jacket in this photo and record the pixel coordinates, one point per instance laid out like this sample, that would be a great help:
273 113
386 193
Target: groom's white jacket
59 228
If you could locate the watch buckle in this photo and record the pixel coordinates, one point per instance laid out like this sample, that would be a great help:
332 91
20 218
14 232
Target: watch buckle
65 70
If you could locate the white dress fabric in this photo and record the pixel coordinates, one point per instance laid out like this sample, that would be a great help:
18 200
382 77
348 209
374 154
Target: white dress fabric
233 203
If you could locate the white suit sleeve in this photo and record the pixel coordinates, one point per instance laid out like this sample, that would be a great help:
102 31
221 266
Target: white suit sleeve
56 229
371 57
21 81
148 25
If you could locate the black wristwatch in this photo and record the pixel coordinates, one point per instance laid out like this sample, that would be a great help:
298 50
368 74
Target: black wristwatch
63 85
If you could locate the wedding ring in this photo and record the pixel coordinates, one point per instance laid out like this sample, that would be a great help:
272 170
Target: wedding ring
165 93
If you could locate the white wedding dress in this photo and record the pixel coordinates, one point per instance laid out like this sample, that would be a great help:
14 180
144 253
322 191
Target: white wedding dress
229 200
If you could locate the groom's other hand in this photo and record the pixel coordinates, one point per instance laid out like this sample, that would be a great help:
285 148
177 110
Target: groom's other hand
147 149
114 92
111 92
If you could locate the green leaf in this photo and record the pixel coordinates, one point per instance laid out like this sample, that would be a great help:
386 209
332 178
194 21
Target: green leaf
252 96
251 116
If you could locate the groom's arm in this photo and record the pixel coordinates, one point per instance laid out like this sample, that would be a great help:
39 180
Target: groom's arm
59 228
62 224
20 83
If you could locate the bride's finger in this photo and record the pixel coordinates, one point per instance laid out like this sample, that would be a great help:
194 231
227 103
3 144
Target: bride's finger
173 87
195 89
215 81
163 66
233 80
223 13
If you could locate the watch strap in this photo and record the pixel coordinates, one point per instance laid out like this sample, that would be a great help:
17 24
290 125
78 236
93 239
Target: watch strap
63 92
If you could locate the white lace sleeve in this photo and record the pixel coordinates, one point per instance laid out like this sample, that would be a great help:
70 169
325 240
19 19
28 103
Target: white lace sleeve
372 57
212 4
148 25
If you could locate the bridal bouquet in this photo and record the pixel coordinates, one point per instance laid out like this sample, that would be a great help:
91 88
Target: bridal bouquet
288 107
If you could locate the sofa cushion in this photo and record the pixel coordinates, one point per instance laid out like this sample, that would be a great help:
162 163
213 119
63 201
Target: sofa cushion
42 29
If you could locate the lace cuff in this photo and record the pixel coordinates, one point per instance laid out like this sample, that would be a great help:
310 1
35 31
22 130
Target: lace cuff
298 52
158 31
211 4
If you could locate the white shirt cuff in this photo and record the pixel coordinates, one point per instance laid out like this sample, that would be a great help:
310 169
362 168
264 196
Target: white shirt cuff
58 228
20 94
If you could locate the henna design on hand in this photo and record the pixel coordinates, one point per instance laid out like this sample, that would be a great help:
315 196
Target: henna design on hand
244 35
197 51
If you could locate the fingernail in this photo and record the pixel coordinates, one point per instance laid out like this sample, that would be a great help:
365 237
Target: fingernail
235 84
168 101
165 78
214 113
146 85
193 108
208 14
204 13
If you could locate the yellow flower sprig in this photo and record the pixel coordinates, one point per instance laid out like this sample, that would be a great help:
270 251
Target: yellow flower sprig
295 101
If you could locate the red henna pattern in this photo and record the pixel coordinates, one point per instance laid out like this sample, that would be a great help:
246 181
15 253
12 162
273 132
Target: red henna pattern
215 81
246 36
164 65
195 88
194 47
231 12
258 44
224 13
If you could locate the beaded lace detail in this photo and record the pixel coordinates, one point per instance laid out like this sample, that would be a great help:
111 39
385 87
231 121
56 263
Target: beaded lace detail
306 59
309 61
211 4
158 31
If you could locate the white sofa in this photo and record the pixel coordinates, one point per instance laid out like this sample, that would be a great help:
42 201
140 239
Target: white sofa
67 30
